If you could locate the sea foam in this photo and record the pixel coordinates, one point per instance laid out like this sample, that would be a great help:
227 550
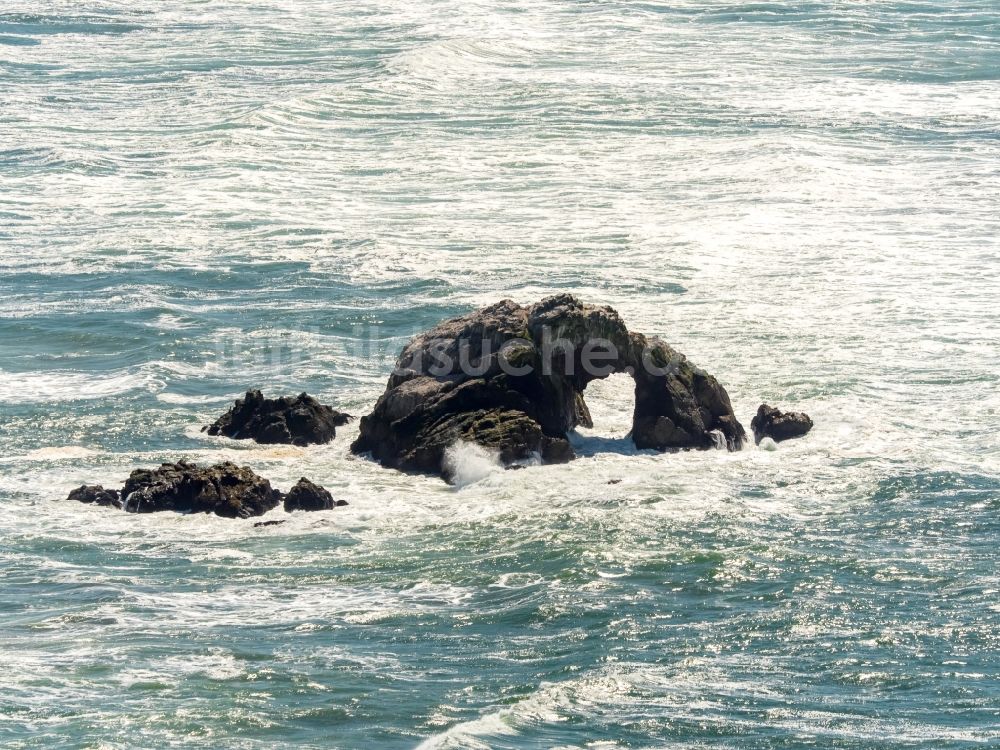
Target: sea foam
468 463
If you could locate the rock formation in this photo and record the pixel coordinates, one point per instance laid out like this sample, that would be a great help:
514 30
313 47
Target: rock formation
297 421
224 489
778 425
512 378
96 494
308 496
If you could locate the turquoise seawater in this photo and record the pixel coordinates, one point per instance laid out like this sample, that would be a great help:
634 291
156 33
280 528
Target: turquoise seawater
202 196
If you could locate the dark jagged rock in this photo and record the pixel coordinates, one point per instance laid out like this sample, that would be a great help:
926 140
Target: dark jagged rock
96 494
224 489
306 495
778 425
262 524
297 421
512 379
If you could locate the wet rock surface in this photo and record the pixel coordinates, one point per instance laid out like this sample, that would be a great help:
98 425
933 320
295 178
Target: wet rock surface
777 425
512 378
306 495
96 494
224 489
299 420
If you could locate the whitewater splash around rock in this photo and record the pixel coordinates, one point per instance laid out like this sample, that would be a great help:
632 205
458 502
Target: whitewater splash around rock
512 378
467 463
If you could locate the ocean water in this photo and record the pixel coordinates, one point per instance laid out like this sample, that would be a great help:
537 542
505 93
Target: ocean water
198 197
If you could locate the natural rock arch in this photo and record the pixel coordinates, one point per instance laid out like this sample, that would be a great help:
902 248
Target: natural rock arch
512 378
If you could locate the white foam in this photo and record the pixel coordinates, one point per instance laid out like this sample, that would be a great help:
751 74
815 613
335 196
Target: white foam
551 703
56 452
468 463
182 399
67 385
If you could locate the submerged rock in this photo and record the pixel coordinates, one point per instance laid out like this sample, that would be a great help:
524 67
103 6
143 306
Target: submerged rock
512 379
306 495
224 489
297 421
96 494
778 425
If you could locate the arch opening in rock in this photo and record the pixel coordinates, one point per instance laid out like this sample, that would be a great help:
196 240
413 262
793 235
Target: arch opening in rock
512 378
611 404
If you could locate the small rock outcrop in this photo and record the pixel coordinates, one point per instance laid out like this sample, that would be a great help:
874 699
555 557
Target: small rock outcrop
778 425
301 420
512 378
306 495
225 489
95 494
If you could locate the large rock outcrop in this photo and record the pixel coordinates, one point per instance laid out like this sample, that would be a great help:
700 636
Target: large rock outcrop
301 420
512 378
778 425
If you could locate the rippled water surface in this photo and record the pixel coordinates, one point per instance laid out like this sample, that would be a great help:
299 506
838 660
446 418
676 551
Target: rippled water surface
197 197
